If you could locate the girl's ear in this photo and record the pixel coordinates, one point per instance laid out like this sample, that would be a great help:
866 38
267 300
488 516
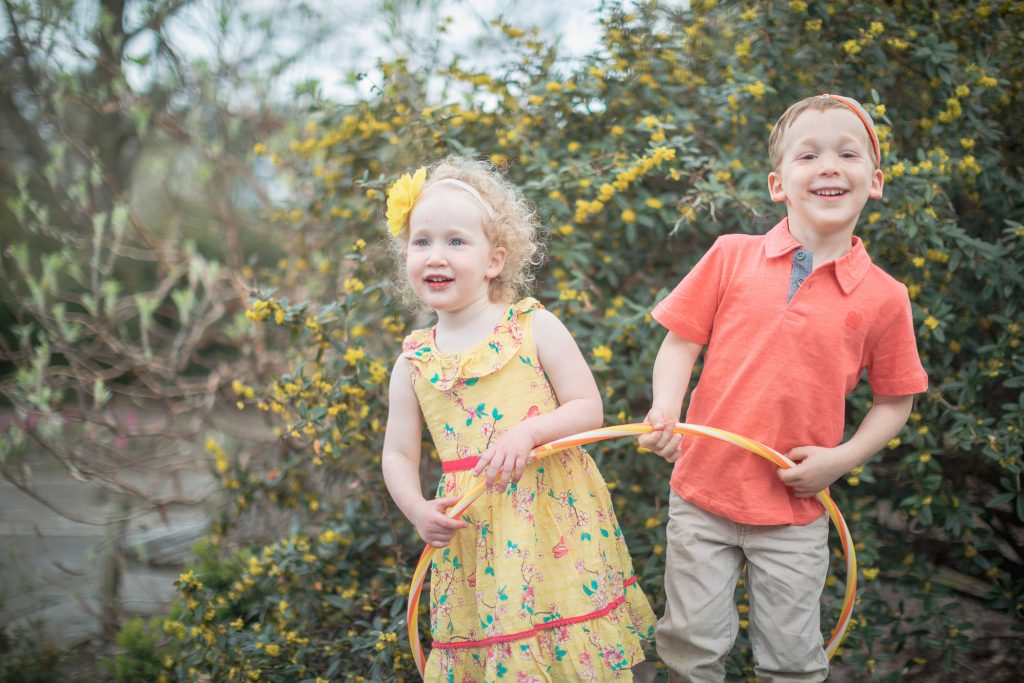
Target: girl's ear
497 262
775 190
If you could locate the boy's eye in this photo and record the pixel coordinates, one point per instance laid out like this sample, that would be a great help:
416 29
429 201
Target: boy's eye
421 243
806 156
457 242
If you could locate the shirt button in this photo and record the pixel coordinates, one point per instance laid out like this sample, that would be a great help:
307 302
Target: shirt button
800 256
800 281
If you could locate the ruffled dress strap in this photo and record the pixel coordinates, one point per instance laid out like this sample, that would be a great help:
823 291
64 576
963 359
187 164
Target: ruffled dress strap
445 370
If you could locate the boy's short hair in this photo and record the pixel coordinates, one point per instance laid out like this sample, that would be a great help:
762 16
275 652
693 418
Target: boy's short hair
815 103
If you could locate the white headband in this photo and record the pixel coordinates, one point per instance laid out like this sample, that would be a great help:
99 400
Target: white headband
472 191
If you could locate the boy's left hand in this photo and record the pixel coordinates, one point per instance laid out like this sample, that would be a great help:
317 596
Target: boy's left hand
509 455
816 468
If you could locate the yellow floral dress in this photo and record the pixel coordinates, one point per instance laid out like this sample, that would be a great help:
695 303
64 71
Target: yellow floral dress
540 586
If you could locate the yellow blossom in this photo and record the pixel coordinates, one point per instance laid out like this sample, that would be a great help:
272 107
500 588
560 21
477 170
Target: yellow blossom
629 216
757 89
931 322
354 355
401 198
377 372
603 353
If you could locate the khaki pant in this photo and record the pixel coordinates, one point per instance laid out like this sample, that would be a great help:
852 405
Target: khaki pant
786 567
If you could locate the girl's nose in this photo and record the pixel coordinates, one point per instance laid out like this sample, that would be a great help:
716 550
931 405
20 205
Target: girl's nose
436 256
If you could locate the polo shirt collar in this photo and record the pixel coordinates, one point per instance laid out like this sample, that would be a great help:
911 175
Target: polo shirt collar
849 269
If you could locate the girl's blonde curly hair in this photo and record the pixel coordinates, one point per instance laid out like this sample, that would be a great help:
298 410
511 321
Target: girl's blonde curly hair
514 226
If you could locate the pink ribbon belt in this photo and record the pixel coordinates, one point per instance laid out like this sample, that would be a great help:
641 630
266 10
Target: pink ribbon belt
460 465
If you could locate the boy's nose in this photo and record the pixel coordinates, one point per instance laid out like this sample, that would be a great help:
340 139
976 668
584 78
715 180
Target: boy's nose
828 164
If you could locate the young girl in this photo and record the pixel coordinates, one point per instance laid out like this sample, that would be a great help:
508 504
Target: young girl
535 582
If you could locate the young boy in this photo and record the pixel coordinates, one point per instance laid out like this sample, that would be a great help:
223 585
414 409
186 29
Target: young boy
790 319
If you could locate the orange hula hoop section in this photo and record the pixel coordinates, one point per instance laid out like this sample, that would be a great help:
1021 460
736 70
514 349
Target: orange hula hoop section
604 434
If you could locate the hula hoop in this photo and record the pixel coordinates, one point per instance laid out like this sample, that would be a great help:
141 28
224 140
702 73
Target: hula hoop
603 434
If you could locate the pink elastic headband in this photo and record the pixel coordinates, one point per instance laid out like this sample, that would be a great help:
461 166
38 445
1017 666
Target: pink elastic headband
862 114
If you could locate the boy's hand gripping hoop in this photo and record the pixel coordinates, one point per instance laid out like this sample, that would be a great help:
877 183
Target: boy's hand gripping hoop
603 434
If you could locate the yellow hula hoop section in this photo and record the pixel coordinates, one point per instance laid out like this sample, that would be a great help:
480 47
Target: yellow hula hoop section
620 431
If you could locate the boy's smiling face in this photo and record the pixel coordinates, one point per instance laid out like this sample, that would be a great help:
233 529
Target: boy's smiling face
826 173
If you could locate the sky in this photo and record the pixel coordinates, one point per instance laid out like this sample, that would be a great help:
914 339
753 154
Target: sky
358 26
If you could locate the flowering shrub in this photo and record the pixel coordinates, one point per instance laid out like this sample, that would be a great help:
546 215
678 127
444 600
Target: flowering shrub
638 157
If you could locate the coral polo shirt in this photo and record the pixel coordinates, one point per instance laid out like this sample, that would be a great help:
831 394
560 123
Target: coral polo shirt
785 345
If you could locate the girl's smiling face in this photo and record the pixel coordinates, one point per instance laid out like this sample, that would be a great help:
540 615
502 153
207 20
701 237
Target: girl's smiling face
449 259
827 172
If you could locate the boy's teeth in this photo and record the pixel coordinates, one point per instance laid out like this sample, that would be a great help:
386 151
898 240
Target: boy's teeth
830 193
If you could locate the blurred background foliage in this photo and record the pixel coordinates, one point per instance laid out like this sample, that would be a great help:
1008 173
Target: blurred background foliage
258 279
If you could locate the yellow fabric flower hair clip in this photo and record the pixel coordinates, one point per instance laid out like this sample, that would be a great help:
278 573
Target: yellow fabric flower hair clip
401 198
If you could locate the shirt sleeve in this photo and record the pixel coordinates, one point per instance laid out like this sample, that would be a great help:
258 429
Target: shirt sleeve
894 365
689 310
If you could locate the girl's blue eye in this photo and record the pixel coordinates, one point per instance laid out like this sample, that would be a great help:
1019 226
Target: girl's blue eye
420 243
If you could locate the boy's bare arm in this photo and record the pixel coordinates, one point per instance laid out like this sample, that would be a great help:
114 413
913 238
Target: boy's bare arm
671 377
818 467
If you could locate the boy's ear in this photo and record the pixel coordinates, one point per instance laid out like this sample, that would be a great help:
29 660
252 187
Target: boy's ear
877 184
775 190
497 264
